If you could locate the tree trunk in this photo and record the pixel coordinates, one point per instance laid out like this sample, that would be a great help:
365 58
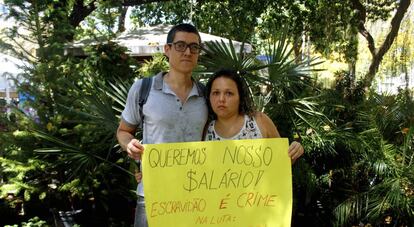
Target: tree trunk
121 20
297 48
352 72
377 55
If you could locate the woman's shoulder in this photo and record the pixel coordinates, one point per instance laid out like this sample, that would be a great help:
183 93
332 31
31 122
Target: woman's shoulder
260 116
266 125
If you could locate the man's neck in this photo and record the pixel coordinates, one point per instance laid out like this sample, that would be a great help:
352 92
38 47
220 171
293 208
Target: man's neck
178 80
181 84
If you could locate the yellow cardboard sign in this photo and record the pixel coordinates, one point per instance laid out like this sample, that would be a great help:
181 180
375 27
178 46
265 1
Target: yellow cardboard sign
243 183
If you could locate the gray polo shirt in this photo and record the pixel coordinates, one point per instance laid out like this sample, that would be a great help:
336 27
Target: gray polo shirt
166 119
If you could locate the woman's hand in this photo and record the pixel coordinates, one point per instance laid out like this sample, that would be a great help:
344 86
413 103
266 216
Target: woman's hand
295 151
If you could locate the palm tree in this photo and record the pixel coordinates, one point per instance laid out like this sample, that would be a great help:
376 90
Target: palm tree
385 192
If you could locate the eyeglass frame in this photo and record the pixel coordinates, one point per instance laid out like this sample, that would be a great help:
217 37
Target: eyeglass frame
187 45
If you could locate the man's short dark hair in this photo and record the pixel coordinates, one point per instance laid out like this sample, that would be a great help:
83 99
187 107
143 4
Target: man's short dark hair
182 28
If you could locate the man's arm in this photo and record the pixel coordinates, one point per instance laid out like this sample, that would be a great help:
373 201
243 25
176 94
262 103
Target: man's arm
125 135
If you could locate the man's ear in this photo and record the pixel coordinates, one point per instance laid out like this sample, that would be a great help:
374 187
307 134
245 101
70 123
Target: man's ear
167 49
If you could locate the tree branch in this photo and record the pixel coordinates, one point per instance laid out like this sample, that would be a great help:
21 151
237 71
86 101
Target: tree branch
80 12
121 18
140 2
362 16
395 27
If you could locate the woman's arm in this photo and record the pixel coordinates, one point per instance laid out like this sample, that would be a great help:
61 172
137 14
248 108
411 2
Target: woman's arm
269 130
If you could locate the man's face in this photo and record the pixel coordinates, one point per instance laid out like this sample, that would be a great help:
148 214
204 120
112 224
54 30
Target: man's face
183 61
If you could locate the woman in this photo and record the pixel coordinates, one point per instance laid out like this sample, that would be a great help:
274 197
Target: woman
233 114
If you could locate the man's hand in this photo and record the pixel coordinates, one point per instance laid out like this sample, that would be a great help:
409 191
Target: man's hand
295 151
138 176
135 149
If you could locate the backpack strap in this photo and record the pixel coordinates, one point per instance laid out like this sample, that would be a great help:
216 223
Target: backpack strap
143 95
146 88
201 88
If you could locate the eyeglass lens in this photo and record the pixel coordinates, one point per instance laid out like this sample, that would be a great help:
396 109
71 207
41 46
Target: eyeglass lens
182 46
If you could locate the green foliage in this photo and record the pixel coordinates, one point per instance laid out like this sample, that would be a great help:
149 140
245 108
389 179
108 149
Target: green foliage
358 158
231 19
158 63
221 55
83 136
385 184
17 161
107 60
331 26
400 57
157 13
74 128
106 15
33 222
359 149
21 176
287 84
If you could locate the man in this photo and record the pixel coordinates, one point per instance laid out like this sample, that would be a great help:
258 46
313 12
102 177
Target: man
175 110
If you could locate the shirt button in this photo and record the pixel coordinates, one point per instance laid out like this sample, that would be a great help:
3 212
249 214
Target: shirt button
178 100
181 108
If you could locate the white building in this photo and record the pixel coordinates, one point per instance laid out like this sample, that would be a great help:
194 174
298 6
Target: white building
391 84
10 67
146 41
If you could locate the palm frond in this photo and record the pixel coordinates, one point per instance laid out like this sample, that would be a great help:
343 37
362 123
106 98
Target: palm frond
387 196
58 142
408 147
81 159
118 91
219 55
95 106
281 63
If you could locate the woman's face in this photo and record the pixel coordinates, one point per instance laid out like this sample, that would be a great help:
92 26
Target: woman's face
224 97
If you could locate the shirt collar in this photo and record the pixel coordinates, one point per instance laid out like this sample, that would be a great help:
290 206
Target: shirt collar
158 83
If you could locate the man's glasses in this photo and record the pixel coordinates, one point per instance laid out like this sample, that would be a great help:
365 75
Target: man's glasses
181 46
